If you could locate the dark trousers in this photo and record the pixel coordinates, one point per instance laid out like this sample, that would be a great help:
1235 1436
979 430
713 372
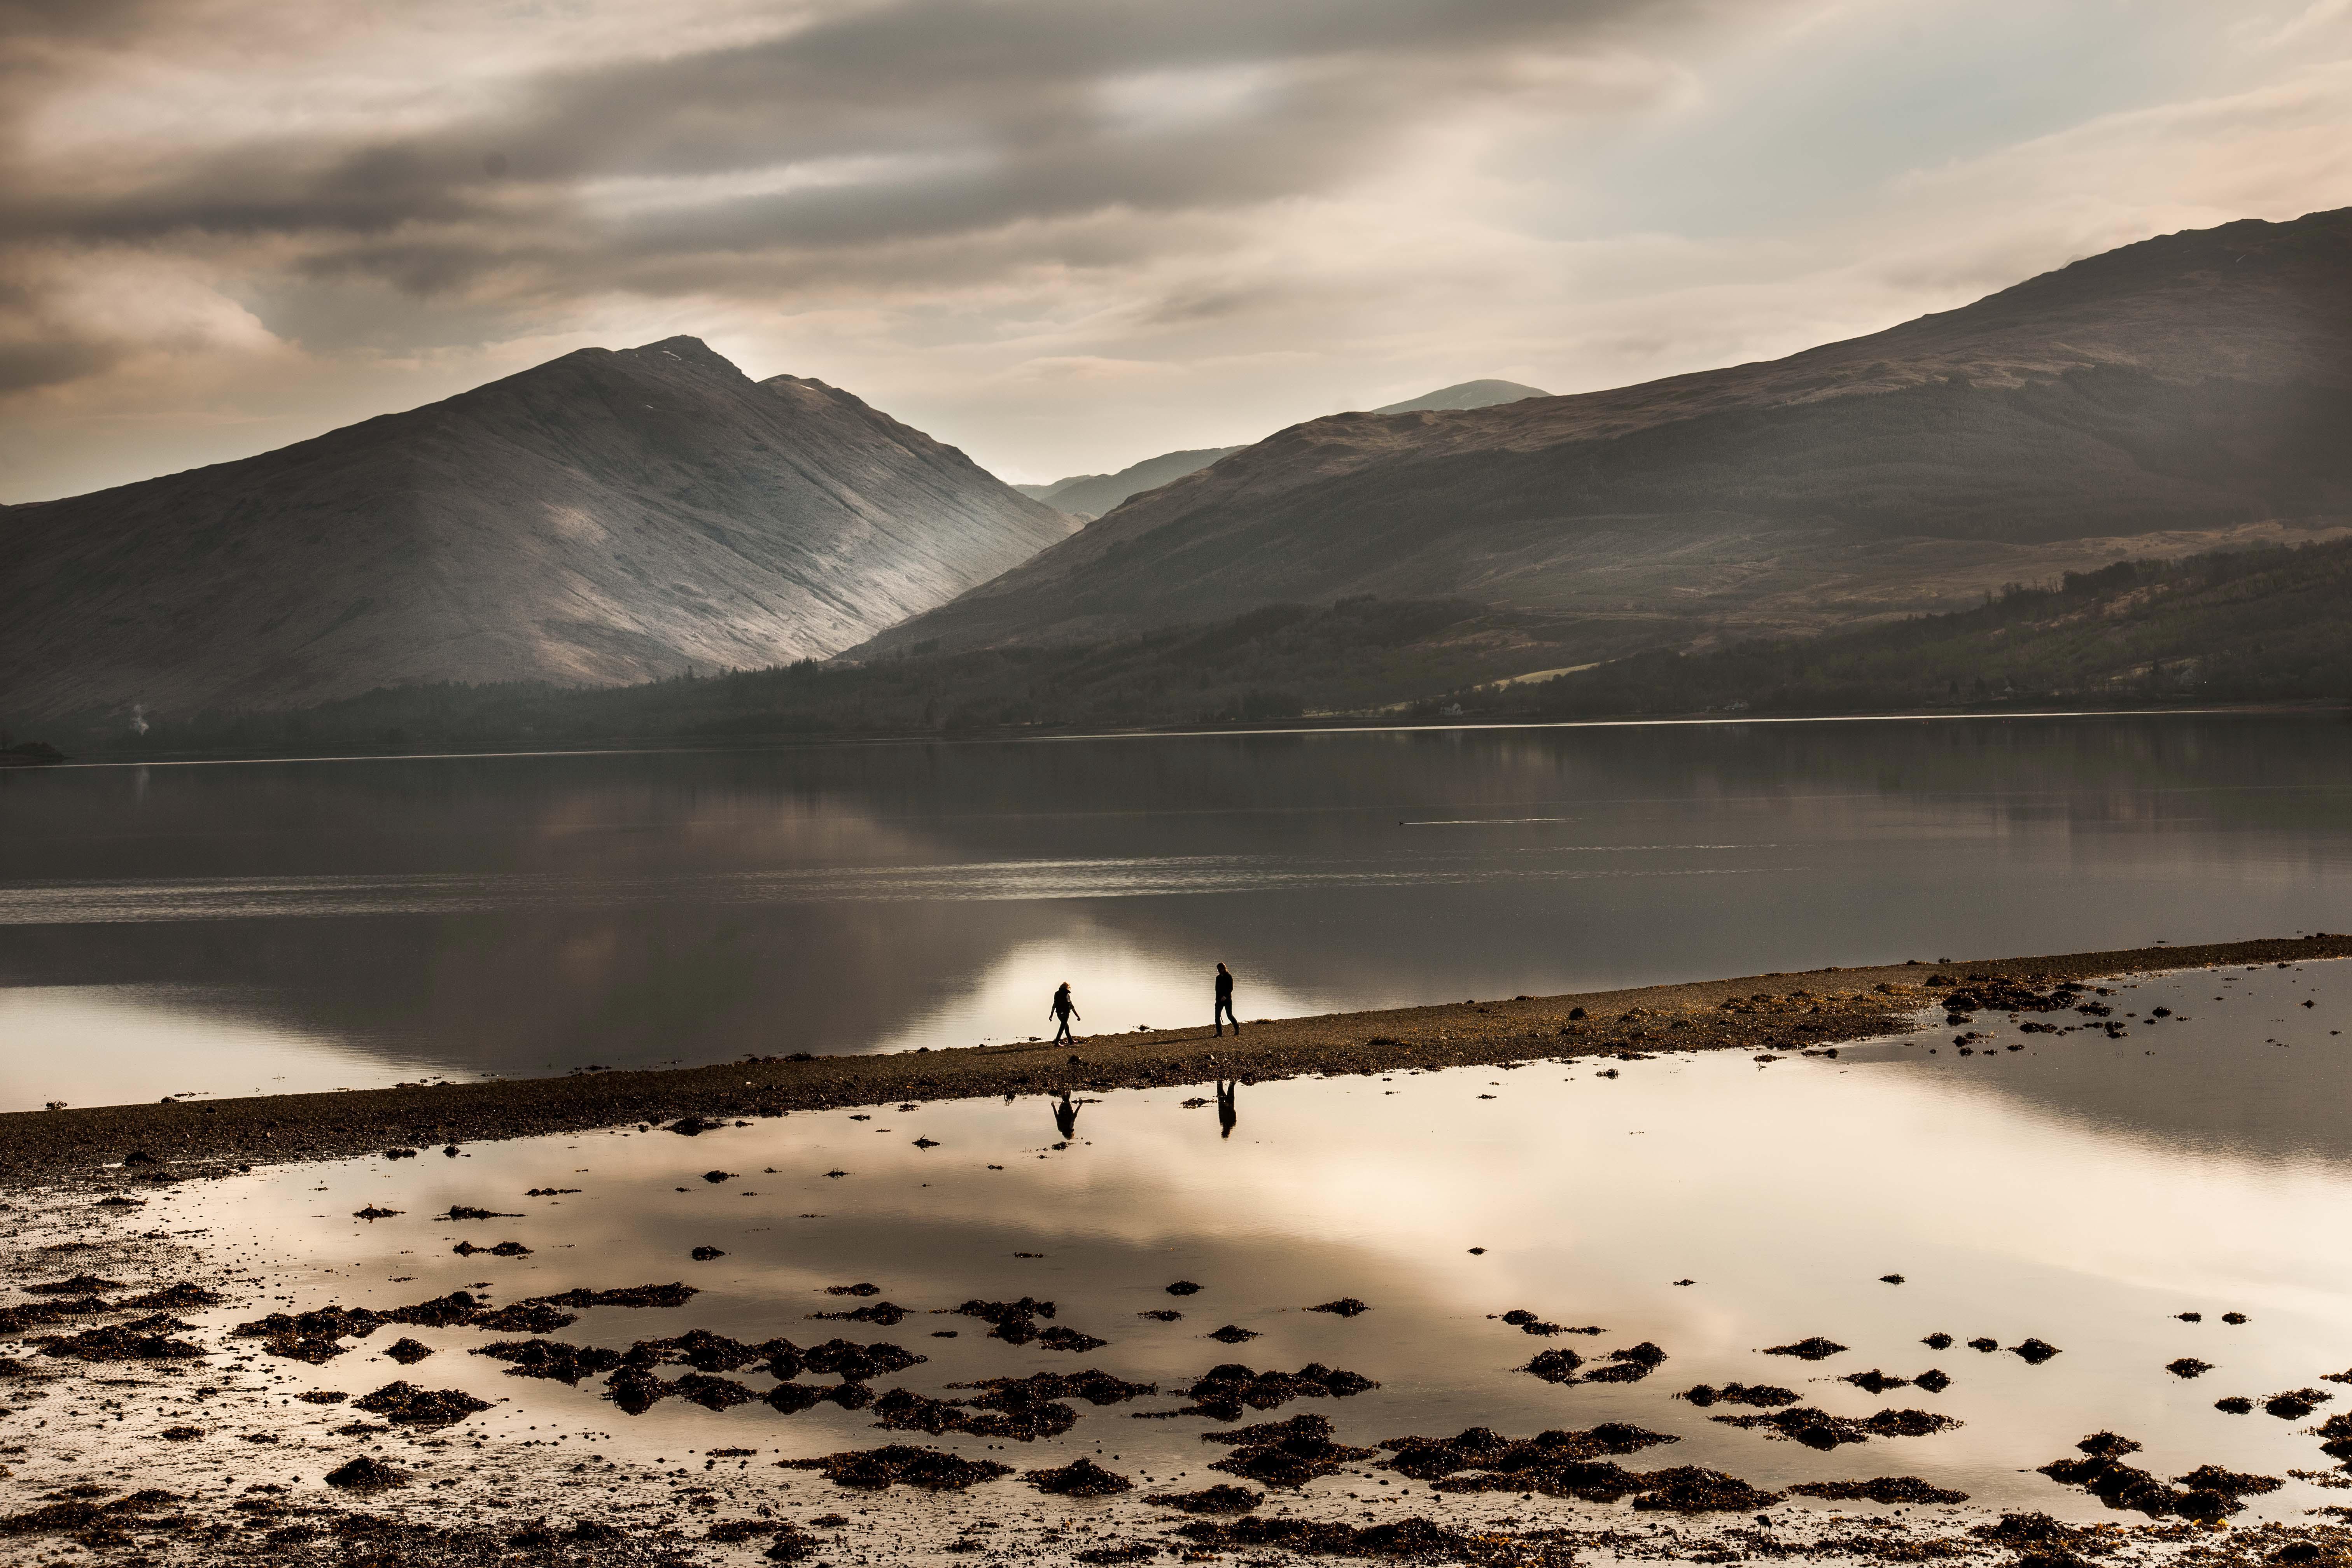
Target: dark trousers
1066 1033
1226 1011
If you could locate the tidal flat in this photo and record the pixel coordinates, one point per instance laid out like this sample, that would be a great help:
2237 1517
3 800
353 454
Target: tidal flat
2035 1266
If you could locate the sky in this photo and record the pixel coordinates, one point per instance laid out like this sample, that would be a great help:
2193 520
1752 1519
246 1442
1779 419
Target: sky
1068 235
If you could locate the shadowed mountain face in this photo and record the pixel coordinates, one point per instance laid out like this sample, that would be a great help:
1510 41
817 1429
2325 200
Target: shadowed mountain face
606 517
2157 399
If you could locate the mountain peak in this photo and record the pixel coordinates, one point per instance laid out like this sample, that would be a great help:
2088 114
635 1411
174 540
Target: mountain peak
688 350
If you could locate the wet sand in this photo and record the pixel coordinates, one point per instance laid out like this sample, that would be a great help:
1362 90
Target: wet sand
514 1499
1776 1012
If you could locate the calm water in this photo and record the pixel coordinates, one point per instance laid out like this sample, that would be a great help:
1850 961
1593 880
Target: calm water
305 925
2080 1190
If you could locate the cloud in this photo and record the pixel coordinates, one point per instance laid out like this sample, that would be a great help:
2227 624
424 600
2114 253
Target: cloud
259 215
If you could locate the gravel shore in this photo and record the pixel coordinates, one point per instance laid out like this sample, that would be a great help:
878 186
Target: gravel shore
1776 1012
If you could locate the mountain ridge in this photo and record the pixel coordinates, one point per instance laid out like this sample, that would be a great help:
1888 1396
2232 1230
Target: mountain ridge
1088 496
2183 384
608 516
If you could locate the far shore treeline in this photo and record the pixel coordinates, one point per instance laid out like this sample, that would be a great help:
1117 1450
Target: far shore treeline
2263 625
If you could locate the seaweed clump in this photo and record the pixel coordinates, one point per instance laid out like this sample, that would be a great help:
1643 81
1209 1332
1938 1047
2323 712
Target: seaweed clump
410 1406
1284 1453
1223 1392
1557 1463
1413 1539
1763 1395
1879 1488
901 1463
2101 1471
1223 1498
1812 1348
1819 1429
1080 1478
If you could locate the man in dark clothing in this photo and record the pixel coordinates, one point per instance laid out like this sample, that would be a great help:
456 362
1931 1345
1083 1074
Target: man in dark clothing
1225 1001
1064 1009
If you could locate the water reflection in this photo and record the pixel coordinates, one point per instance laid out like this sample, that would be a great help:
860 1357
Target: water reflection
1782 1194
532 914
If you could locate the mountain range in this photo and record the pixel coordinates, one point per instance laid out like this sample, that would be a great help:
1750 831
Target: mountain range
1088 496
618 517
606 518
2185 392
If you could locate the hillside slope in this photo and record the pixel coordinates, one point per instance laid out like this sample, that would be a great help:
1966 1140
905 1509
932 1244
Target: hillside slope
604 518
2150 400
1088 496
2236 625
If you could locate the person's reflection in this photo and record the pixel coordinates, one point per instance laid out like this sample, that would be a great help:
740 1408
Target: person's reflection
1065 1118
1227 1114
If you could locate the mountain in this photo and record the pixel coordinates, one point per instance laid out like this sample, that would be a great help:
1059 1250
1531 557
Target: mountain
1465 394
606 517
1088 496
2185 392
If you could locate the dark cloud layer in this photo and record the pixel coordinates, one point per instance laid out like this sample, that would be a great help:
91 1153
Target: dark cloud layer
840 135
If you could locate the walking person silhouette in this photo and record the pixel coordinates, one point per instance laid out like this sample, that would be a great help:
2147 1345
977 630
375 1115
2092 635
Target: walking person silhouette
1227 1111
1065 1118
1063 1010
1225 1001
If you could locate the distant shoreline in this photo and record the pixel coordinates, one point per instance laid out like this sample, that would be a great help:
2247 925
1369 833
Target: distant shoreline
1777 1013
1337 726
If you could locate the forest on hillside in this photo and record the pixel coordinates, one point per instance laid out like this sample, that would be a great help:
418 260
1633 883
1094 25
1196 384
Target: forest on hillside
2247 626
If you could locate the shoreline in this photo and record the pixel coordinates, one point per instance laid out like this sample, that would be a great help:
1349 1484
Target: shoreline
1336 724
1778 1011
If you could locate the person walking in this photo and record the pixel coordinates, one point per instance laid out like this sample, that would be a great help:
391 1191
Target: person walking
1063 1010
1225 1001
1065 1118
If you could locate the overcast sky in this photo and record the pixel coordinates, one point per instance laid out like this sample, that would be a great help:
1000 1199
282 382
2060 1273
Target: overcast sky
1065 234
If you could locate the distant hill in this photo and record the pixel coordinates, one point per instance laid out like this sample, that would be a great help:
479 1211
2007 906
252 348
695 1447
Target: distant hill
2157 399
1465 394
604 518
1088 496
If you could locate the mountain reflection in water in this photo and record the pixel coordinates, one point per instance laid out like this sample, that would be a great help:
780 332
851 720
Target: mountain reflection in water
229 929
